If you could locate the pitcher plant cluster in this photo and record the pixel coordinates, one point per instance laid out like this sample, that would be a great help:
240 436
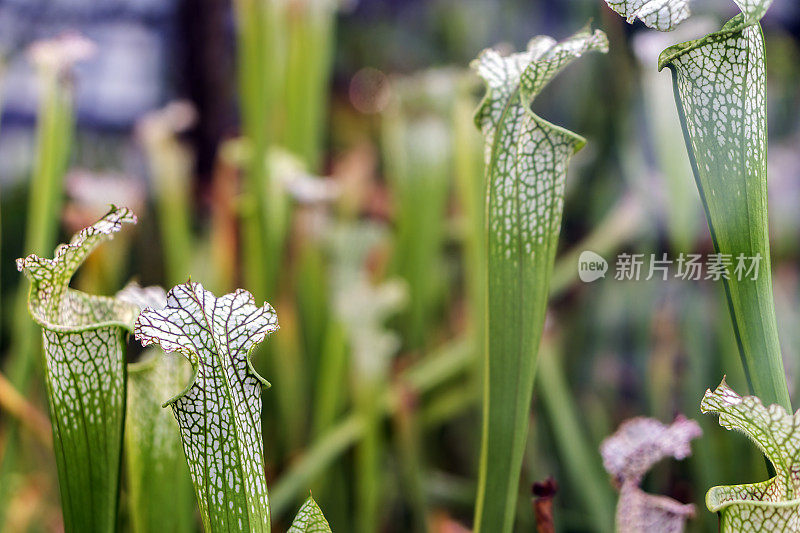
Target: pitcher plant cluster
111 417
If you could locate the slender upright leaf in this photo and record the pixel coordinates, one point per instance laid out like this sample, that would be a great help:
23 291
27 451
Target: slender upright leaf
170 169
772 505
362 308
219 412
310 519
54 59
582 466
54 123
85 373
720 89
526 160
417 155
311 26
261 43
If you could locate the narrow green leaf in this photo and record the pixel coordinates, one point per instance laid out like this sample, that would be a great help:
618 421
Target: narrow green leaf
526 162
416 145
53 59
720 89
362 308
772 505
170 173
582 467
85 374
219 412
310 519
160 491
310 48
260 50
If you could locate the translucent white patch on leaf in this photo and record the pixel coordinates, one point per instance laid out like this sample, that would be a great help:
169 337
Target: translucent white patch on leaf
303 186
772 505
662 15
310 519
154 296
363 308
219 412
753 10
85 375
629 454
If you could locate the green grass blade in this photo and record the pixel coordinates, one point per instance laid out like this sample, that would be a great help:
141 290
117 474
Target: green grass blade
526 169
469 190
332 373
159 488
312 299
170 168
219 412
581 462
362 308
311 27
720 89
85 376
54 124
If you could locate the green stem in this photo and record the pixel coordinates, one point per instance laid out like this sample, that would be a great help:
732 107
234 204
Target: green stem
311 26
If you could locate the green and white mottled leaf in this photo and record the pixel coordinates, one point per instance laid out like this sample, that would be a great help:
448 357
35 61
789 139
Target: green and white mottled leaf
772 505
662 15
526 164
721 93
310 519
629 454
85 373
160 493
219 412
